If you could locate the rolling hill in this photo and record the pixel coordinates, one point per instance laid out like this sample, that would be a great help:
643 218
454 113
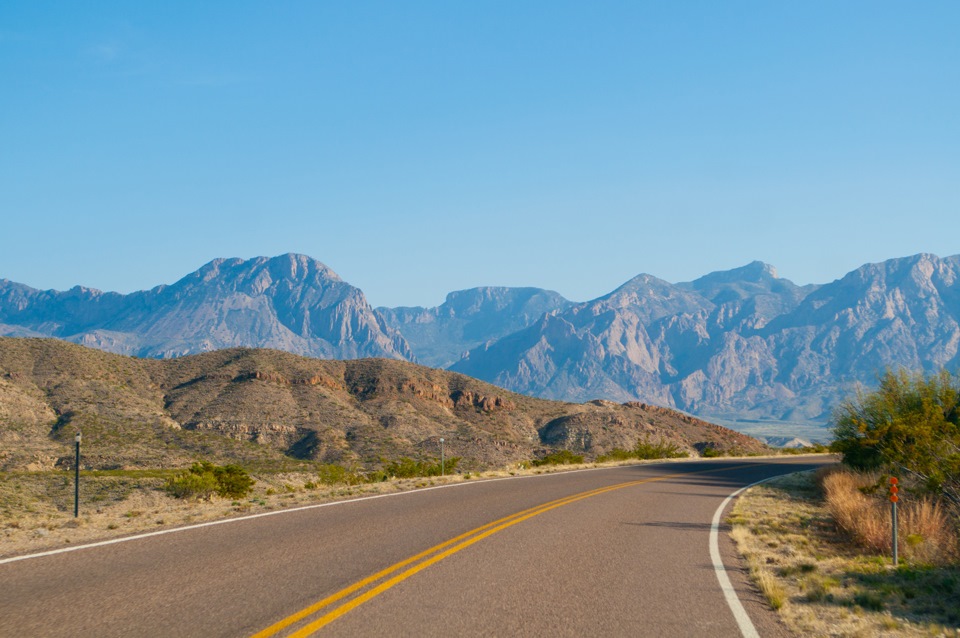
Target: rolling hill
258 406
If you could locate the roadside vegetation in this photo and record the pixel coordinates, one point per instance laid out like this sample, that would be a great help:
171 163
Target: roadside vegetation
36 508
819 546
204 479
909 427
644 450
560 457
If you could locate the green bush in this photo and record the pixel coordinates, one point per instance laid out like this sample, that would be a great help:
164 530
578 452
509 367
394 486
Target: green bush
408 468
616 454
909 426
192 485
560 457
205 479
338 475
710 452
645 450
232 481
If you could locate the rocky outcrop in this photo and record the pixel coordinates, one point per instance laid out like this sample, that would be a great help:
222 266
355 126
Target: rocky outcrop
738 344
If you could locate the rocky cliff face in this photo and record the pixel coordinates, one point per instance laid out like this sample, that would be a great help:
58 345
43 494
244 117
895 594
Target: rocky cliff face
738 344
291 303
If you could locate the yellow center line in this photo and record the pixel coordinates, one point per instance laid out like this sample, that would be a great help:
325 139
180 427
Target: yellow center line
458 543
300 615
379 589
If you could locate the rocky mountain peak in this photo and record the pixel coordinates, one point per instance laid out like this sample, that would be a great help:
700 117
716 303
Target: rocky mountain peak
754 272
291 302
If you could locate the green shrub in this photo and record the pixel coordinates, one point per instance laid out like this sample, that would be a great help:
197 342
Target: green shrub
710 452
909 426
560 457
232 481
645 450
616 454
205 479
338 475
659 450
408 468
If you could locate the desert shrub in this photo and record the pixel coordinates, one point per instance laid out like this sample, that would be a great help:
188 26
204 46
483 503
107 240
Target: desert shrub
645 450
816 448
560 457
331 474
376 476
232 481
909 426
192 485
659 450
710 452
616 454
409 468
205 479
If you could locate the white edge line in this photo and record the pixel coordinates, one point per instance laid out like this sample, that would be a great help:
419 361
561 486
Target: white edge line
173 530
733 601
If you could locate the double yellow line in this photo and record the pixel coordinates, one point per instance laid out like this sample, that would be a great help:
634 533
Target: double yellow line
424 559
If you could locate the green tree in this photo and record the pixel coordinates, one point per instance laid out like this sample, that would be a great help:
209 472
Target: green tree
909 425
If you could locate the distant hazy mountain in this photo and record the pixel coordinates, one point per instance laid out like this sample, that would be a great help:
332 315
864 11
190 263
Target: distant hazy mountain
732 345
439 336
291 302
735 344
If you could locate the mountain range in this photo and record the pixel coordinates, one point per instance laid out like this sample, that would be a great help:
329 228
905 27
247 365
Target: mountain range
736 346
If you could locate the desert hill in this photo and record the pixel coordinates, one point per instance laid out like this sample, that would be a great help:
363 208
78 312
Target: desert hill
268 406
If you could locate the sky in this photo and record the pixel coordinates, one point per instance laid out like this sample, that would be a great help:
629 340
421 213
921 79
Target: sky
418 148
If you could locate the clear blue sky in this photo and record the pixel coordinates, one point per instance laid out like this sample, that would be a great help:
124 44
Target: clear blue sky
422 147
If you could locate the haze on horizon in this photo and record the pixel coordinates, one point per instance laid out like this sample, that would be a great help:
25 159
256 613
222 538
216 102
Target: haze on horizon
425 147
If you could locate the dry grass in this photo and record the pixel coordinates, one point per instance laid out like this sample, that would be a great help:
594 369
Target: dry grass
926 533
36 508
825 584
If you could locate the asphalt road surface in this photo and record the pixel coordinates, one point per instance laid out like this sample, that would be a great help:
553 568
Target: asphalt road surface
610 552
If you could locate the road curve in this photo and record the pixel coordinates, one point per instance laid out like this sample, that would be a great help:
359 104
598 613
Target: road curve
619 551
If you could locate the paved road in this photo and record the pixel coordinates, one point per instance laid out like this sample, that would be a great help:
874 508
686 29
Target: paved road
616 552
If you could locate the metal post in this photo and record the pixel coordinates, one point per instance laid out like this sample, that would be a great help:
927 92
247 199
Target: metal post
894 516
76 480
442 460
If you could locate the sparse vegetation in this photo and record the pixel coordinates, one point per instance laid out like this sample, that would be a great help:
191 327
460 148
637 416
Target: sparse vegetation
910 427
205 479
819 577
409 468
816 448
267 410
645 450
560 457
927 535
